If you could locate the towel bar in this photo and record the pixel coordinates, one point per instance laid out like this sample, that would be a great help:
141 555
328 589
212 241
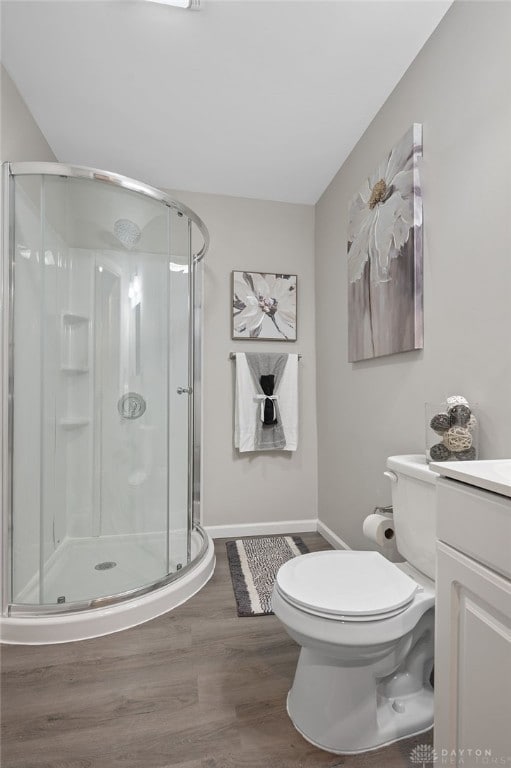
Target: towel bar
232 356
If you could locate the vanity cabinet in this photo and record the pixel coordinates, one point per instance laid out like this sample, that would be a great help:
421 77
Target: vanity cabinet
473 625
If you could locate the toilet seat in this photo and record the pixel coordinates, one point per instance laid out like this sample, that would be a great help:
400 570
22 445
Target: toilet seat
346 585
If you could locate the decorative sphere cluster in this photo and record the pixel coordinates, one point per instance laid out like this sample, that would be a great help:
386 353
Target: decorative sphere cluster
455 426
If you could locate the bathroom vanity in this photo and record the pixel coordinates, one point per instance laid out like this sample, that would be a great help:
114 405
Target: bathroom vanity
473 614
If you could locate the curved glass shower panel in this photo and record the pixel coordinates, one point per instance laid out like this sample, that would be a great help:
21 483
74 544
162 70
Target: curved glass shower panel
29 540
180 379
101 316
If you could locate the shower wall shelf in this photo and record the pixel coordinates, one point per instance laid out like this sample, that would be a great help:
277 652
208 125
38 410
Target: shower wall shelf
74 370
75 342
73 422
71 318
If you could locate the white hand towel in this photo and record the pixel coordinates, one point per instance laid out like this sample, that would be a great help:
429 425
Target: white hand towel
288 402
245 406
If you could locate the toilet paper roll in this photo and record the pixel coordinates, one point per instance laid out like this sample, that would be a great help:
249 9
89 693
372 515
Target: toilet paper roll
378 528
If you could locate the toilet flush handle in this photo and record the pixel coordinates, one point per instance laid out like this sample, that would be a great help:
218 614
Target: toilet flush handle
391 475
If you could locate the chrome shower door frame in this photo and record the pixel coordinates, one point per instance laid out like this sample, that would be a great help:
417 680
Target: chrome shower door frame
7 277
196 330
6 381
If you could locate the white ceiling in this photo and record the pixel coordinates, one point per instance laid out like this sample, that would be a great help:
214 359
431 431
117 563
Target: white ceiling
255 98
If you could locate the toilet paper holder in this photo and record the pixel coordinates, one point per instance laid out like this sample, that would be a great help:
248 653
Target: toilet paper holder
384 510
378 527
388 533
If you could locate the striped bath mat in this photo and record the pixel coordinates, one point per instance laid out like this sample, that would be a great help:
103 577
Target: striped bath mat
254 564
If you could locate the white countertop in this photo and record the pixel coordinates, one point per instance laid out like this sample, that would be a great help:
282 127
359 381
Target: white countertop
491 474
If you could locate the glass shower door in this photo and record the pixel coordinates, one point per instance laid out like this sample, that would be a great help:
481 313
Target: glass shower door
180 394
101 348
130 450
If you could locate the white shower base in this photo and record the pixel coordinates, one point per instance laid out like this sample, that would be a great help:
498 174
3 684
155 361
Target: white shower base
73 574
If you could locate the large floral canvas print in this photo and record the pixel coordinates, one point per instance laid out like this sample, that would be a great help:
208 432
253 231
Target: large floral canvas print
263 306
385 312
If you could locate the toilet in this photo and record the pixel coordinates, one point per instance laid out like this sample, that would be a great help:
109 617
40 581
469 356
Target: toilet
365 626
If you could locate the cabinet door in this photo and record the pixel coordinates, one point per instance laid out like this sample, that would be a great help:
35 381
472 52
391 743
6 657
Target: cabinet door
473 662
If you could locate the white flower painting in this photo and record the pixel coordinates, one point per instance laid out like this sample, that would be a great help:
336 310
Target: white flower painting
385 256
263 306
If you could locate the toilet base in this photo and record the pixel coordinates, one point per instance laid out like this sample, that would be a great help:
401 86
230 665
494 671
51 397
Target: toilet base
353 751
348 708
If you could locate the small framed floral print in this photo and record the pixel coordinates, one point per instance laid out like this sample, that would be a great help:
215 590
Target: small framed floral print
264 306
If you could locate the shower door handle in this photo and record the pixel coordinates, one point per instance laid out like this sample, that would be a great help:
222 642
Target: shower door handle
184 390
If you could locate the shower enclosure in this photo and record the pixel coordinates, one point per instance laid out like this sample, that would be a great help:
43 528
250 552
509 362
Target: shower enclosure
101 403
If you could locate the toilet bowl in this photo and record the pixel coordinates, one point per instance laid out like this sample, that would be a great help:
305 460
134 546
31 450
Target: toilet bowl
366 631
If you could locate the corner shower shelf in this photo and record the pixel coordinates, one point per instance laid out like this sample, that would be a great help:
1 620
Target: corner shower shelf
73 422
75 343
71 318
71 369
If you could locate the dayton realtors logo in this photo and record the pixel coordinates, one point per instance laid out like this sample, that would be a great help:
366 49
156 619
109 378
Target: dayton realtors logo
423 756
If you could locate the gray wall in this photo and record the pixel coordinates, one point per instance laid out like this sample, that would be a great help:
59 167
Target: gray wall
260 236
459 87
20 137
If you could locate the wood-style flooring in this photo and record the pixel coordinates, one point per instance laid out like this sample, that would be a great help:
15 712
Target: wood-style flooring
196 688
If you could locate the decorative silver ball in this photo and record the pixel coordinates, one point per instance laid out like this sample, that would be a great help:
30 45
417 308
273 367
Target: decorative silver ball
460 415
458 439
439 452
468 455
455 400
440 423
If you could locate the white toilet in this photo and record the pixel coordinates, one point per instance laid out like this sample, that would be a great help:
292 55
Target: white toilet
366 628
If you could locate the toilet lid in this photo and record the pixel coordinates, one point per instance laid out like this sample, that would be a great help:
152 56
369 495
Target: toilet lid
345 583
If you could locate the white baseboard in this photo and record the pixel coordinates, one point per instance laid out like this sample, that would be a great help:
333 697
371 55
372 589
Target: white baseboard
275 528
331 537
261 529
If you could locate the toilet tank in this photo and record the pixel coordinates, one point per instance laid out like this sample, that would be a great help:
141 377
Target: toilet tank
414 507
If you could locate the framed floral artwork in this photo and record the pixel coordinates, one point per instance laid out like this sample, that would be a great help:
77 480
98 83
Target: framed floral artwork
264 306
385 311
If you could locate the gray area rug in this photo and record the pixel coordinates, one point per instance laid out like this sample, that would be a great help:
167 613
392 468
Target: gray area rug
254 564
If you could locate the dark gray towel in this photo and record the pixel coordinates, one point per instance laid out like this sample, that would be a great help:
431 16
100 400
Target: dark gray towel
268 437
270 412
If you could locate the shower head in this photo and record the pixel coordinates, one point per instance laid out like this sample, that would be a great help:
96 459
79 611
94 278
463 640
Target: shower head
127 232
